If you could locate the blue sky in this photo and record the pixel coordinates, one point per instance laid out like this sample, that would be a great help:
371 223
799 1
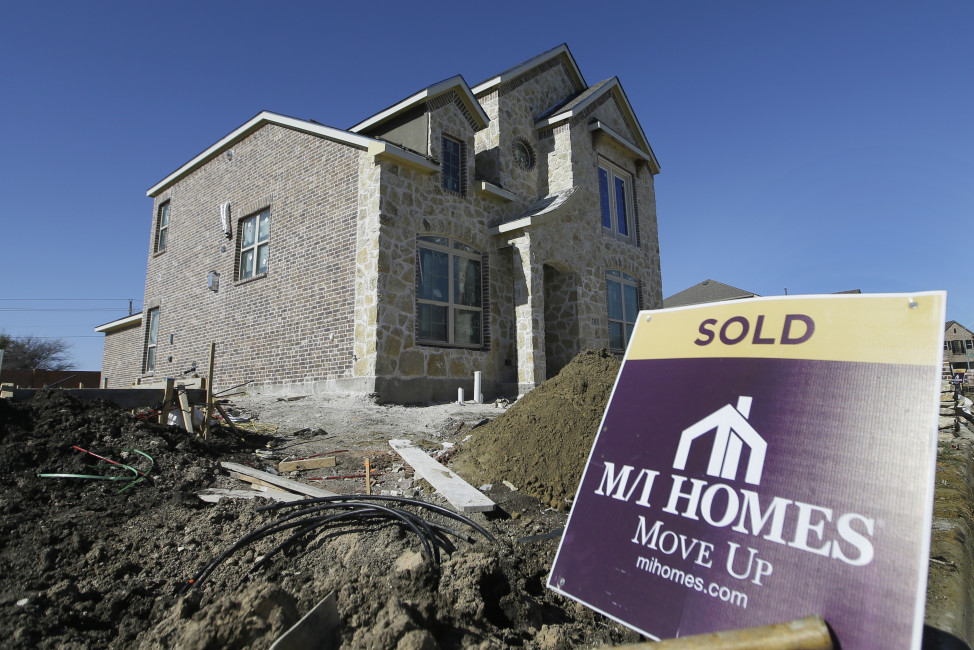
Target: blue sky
814 146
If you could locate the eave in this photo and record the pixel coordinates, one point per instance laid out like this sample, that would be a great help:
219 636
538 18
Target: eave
120 324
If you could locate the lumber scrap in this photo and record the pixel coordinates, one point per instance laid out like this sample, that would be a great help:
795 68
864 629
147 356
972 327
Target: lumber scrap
460 494
212 495
277 481
308 463
256 483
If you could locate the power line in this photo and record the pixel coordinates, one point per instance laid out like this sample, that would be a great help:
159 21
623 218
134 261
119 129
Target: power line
70 336
61 309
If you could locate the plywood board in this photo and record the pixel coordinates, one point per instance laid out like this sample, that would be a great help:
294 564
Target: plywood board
461 495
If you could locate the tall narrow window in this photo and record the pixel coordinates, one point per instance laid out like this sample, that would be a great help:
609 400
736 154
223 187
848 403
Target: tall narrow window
151 336
254 234
454 166
615 199
623 301
162 227
448 292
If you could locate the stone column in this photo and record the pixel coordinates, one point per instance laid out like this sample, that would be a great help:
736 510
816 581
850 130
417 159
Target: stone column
529 314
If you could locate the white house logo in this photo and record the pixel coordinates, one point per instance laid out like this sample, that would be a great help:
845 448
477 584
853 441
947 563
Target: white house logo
733 432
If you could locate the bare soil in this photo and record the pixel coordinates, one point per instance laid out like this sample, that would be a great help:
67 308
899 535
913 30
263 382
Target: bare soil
88 563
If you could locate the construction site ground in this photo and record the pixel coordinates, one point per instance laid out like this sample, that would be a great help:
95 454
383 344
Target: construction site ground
88 563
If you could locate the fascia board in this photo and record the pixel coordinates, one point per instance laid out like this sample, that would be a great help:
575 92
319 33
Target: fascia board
121 323
453 83
385 151
648 156
561 50
262 118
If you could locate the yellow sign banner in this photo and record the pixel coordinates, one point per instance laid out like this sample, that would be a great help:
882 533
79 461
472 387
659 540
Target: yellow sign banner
870 328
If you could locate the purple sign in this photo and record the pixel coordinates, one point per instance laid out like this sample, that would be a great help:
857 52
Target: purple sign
741 485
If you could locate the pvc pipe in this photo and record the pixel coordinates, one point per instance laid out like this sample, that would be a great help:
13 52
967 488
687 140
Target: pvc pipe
459 396
477 395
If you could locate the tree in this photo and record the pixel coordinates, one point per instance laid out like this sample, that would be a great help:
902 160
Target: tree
33 353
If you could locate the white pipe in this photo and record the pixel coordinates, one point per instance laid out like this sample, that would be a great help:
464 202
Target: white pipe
477 395
459 396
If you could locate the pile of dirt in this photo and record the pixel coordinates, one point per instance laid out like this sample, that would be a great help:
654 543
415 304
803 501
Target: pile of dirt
84 563
541 444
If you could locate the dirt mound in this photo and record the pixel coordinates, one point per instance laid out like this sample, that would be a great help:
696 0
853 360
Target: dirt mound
542 442
84 563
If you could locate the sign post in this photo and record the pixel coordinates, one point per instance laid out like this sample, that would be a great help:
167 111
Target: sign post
762 460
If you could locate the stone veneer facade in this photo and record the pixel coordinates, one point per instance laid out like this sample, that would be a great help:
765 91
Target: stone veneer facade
337 308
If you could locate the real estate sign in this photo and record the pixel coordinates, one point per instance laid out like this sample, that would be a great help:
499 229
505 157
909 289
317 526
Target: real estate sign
763 460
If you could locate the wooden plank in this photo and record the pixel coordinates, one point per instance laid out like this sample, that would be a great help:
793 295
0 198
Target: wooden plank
257 484
278 481
209 394
226 418
308 463
461 495
167 396
187 411
212 495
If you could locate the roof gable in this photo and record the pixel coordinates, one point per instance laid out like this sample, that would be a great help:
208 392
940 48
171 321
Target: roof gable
510 74
468 104
258 121
581 108
953 323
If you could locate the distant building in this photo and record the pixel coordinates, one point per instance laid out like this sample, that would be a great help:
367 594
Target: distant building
707 291
958 346
713 291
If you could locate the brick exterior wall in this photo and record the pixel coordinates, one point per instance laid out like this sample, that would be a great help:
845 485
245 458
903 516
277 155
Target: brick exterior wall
121 358
291 325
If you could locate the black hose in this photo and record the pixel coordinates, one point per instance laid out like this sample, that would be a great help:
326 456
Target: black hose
430 540
381 497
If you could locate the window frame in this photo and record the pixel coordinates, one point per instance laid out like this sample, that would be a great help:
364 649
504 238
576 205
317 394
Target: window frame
253 269
450 170
609 200
162 229
627 325
454 249
151 340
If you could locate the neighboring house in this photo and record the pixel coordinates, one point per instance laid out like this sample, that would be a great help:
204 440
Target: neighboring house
499 228
706 291
713 291
958 346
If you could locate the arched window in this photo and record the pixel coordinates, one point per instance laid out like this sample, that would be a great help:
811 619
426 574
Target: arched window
622 297
449 296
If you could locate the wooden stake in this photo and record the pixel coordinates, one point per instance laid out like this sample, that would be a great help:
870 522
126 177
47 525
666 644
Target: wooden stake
209 394
167 400
368 476
186 409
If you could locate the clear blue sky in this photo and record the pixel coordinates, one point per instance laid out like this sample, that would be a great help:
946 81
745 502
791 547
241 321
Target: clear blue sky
817 146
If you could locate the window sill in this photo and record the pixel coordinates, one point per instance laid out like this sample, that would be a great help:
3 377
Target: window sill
452 346
159 253
250 279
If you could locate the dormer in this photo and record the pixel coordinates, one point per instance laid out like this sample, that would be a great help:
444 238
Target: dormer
411 123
